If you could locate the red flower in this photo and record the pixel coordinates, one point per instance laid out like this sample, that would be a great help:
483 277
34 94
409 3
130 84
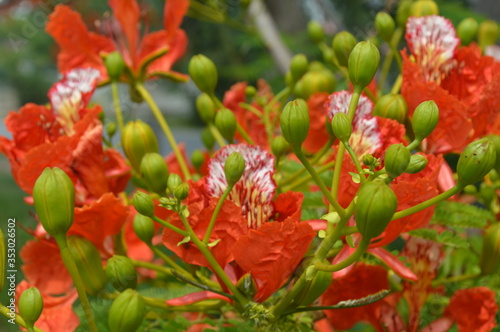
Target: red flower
317 136
243 222
57 314
150 56
361 281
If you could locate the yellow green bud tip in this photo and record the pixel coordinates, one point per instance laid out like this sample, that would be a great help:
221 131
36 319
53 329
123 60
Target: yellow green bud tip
205 107
342 45
298 66
385 25
203 73
315 31
396 161
114 65
391 106
138 138
143 203
121 273
294 122
30 305
425 119
225 121
477 160
88 261
234 167
144 228
154 172
417 164
467 30
342 127
363 63
127 312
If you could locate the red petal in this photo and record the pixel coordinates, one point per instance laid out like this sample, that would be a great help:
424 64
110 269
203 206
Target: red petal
173 15
104 217
272 252
317 135
393 263
127 13
79 47
287 206
43 267
196 297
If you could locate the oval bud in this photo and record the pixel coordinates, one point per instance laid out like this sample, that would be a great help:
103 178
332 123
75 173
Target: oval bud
375 206
385 25
197 159
250 91
88 262
30 306
363 63
181 192
234 168
370 161
318 80
314 288
138 139
417 164
294 122
144 228
342 127
467 30
154 172
174 180
127 312
495 139
54 200
424 8
489 261
396 160
203 73
205 107
143 203
315 32
121 273
425 119
477 160
114 65
342 45
207 139
298 66
279 146
488 33
111 129
225 121
391 106
403 12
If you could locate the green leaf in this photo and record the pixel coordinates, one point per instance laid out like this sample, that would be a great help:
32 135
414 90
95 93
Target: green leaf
446 237
186 239
461 215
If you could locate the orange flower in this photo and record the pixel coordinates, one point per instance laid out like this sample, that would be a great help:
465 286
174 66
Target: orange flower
150 56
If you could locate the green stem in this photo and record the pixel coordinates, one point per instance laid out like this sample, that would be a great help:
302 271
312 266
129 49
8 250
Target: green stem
171 227
219 271
413 145
17 318
455 279
355 160
397 84
333 202
244 134
216 134
303 180
416 208
218 207
360 250
396 37
167 259
166 129
116 105
77 280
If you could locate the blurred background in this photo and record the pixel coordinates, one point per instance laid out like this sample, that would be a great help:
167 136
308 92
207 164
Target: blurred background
231 32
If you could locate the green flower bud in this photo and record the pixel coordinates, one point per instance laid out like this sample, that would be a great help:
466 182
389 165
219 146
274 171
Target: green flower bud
203 73
207 139
315 32
370 161
2 260
489 261
88 262
250 91
174 180
425 119
319 80
114 65
279 146
488 33
397 159
143 203
144 228
477 160
127 312
314 288
247 286
298 66
30 306
294 122
342 127
154 172
495 139
363 63
121 273
181 192
197 159
385 26
424 8
417 164
342 45
205 107
375 207
391 106
470 189
467 30
225 121
234 168
111 129
54 200
403 12
138 139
